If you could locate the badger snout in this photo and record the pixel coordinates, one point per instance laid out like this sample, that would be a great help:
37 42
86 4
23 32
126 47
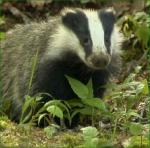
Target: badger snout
98 61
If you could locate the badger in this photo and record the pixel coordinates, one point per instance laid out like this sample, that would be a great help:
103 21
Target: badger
81 43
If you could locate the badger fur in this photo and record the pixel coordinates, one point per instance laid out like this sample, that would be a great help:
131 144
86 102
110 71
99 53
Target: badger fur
79 43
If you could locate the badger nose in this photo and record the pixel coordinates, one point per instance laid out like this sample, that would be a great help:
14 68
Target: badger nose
100 61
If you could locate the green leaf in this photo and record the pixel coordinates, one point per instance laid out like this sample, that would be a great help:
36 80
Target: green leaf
95 102
94 142
74 113
41 117
2 35
28 102
143 34
90 88
64 106
136 129
38 98
50 131
79 88
75 103
84 111
133 113
27 117
145 88
52 102
34 66
55 111
89 132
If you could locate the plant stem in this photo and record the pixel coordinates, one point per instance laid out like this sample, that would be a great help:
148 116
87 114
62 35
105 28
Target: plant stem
114 130
34 64
93 116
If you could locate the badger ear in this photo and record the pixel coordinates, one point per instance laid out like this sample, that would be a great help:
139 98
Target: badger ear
111 10
108 16
66 10
70 18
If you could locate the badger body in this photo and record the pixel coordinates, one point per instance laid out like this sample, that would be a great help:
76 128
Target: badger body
79 43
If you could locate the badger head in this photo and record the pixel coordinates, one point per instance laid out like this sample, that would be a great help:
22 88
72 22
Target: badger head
92 35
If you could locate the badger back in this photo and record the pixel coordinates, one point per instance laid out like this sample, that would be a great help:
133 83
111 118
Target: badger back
19 50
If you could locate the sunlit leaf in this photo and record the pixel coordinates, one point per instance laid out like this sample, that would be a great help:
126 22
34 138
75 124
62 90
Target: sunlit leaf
55 111
79 88
90 132
95 102
90 88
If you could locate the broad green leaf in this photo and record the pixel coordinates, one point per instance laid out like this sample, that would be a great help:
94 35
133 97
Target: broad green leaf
90 88
79 88
89 132
95 102
64 106
136 129
55 111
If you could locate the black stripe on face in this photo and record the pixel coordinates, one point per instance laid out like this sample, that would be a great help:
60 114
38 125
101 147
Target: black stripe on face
78 23
108 20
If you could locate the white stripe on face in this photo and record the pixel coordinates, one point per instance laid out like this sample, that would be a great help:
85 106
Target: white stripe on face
96 32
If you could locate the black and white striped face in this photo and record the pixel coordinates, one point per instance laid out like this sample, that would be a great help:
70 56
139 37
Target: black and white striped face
95 36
